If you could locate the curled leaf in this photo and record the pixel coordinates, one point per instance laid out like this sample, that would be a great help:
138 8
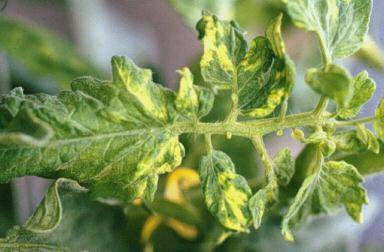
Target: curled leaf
364 88
49 212
332 81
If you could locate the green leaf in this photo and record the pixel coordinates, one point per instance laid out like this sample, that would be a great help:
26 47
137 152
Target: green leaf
259 202
192 101
40 52
81 228
367 162
115 138
341 25
226 193
48 214
368 139
268 71
332 81
334 184
347 141
364 88
378 125
283 170
262 78
284 167
224 48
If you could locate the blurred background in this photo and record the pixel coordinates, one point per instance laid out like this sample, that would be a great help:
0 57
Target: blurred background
45 44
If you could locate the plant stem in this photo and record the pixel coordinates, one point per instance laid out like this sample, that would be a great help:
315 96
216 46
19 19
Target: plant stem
355 122
324 53
321 106
208 141
258 142
250 129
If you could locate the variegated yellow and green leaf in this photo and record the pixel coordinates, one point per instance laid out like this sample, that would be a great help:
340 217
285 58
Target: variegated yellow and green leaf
341 25
114 137
379 121
364 88
192 101
334 184
274 84
332 81
226 193
262 78
224 48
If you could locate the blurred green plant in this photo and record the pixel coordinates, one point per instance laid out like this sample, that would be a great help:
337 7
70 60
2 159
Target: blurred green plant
111 140
42 66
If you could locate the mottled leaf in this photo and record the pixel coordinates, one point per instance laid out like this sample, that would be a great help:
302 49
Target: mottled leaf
284 166
334 184
332 81
259 202
340 24
347 141
368 139
379 122
364 88
271 84
224 48
192 101
115 138
226 193
39 53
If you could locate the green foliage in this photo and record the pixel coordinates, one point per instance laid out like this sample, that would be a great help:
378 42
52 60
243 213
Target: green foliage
333 81
379 122
364 87
333 21
115 138
334 183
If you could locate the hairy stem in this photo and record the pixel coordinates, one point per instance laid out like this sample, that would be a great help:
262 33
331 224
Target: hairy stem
321 106
355 122
249 129
258 142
